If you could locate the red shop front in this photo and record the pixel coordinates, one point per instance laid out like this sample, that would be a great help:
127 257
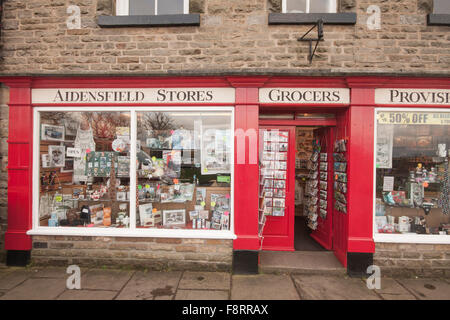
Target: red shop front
336 114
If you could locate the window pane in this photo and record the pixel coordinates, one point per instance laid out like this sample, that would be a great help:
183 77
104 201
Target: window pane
412 175
441 7
184 170
296 6
322 6
142 7
170 6
84 169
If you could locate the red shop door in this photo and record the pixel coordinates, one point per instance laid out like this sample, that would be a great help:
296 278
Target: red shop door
324 232
277 184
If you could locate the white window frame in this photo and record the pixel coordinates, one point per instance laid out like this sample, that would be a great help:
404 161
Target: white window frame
132 231
308 5
123 7
401 238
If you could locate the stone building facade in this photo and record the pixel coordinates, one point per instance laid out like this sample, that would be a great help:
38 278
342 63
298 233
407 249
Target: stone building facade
234 38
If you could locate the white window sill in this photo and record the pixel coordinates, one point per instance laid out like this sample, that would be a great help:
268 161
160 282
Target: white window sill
143 233
412 238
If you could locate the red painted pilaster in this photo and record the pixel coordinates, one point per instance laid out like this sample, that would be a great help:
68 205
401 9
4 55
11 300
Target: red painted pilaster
19 166
360 170
246 170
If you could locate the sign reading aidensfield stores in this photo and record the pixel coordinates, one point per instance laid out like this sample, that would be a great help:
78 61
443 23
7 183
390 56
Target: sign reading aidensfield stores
413 96
127 95
305 95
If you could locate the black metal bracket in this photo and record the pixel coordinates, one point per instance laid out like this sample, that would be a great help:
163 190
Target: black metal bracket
319 25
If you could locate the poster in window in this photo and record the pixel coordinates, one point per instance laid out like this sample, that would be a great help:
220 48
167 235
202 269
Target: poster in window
384 144
52 133
57 156
215 152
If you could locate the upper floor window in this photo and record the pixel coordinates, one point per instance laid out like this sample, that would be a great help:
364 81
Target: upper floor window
441 7
309 6
151 7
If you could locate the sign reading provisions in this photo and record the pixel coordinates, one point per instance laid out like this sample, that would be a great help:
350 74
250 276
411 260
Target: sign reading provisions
305 95
127 95
403 117
413 96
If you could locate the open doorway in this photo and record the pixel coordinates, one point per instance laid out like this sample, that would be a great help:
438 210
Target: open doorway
287 241
304 137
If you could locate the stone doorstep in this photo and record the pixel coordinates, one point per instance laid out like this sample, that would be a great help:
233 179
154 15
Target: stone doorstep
301 262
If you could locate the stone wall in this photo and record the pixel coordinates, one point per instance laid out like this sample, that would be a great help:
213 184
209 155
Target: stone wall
234 38
407 259
149 253
4 99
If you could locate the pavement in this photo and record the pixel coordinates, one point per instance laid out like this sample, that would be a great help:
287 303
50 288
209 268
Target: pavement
49 283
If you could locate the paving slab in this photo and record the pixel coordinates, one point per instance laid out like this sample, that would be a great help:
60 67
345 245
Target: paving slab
11 278
427 289
205 280
201 295
315 287
263 287
51 272
99 279
36 289
392 290
87 295
150 285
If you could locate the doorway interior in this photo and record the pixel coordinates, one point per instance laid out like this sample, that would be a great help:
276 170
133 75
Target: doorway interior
304 137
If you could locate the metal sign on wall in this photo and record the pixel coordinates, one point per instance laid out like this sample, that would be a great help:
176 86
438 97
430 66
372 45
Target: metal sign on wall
131 95
305 95
395 96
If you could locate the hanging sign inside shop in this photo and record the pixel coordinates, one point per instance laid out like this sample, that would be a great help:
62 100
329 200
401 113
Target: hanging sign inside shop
412 96
305 95
399 117
126 95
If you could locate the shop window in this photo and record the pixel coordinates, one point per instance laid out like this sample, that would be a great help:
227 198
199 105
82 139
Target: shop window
309 6
84 169
310 11
441 13
85 177
158 13
412 172
184 170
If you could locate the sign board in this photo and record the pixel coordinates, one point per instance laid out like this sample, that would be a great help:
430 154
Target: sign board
413 118
128 95
305 95
412 96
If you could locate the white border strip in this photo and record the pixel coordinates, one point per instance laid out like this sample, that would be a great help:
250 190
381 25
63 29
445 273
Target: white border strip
122 232
400 238
139 232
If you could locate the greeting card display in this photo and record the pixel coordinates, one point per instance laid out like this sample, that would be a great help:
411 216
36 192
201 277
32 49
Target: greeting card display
273 173
312 185
340 175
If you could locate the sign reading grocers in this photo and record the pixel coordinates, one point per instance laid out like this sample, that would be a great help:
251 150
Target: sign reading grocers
305 95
